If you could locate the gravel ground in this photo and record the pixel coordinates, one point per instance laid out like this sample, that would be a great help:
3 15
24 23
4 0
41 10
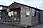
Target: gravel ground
9 26
38 26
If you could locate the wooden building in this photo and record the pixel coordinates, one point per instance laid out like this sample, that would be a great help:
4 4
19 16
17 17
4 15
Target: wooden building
21 15
28 16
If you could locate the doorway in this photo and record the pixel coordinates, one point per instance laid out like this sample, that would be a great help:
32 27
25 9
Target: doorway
15 15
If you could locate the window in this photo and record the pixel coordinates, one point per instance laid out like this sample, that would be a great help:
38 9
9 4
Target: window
27 12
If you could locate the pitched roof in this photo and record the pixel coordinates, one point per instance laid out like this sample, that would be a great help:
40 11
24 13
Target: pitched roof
33 3
15 4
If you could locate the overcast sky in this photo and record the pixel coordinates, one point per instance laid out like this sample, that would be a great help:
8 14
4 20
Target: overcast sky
6 2
33 3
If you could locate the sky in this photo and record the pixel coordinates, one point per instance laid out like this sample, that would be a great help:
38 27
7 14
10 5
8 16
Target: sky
6 2
33 3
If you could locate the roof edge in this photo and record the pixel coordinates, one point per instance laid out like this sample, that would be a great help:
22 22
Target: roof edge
25 5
